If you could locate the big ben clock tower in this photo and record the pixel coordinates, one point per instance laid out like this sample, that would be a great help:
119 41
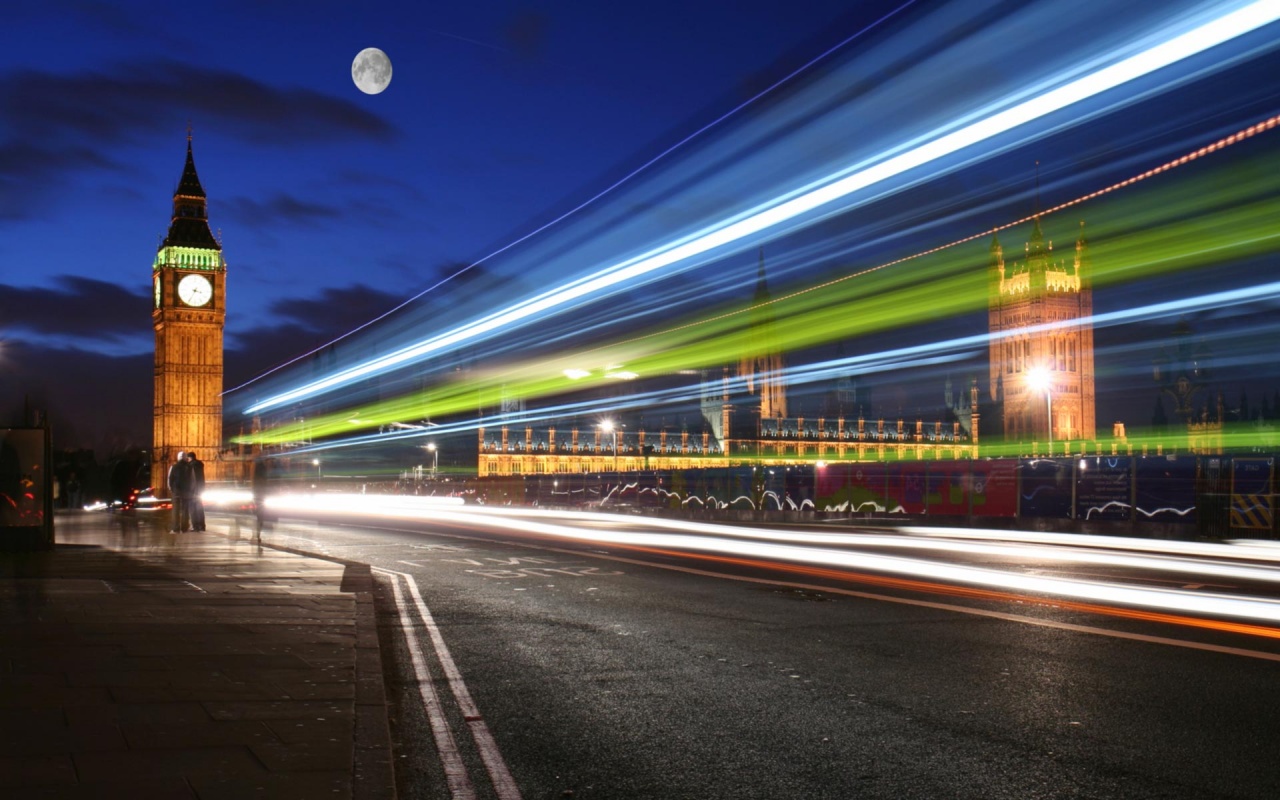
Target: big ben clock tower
188 281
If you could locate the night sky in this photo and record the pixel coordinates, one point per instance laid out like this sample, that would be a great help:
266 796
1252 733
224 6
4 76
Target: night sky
334 206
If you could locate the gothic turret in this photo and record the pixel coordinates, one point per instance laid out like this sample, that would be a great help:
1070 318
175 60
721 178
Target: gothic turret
1083 270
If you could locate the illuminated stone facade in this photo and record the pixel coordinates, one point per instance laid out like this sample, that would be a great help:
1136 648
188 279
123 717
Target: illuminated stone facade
545 451
1039 318
787 441
745 430
188 313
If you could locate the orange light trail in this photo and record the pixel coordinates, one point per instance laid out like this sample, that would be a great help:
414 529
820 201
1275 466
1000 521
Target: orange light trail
972 593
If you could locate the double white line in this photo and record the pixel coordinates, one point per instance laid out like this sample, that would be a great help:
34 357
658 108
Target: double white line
460 785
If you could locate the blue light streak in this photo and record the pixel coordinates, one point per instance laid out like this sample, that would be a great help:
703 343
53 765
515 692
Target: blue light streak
1177 46
928 354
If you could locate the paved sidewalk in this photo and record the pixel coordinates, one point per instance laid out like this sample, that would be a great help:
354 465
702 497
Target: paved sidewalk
135 663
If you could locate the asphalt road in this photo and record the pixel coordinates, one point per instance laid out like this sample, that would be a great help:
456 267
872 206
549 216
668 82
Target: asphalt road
557 668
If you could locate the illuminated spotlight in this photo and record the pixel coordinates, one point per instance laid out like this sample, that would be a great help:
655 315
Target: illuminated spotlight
806 199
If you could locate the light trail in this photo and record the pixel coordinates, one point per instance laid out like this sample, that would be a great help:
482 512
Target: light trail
987 594
1244 230
602 193
791 547
900 358
1213 147
1055 547
839 185
1254 550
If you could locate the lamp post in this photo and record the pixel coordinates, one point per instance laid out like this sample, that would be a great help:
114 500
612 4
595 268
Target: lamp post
608 427
435 459
319 475
1040 379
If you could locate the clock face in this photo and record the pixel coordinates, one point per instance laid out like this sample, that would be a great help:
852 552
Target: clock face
195 290
156 281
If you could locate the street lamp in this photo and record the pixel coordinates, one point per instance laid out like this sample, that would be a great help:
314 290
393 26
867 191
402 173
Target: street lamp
608 427
316 461
1040 379
435 459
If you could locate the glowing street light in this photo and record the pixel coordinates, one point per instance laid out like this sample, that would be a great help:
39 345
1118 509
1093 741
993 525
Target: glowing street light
1039 378
316 461
608 427
435 459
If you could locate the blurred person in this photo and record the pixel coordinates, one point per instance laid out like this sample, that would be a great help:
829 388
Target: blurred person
74 494
197 491
260 479
180 486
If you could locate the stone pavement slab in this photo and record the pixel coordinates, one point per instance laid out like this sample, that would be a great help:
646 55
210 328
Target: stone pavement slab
142 664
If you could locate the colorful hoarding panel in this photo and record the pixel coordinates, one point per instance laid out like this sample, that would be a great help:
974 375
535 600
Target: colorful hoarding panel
728 487
1104 488
858 488
1166 488
801 484
1252 501
906 487
1046 488
995 488
947 488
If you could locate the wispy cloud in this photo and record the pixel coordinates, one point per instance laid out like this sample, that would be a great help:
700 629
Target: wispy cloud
59 124
75 308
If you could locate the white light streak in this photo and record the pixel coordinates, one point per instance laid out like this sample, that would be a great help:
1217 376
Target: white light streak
799 547
810 198
220 497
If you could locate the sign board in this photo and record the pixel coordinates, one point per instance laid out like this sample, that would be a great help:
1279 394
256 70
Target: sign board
1166 489
948 488
856 487
906 487
995 488
1045 488
1104 488
1252 500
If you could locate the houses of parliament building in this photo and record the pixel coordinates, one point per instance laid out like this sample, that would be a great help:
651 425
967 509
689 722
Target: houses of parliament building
1040 390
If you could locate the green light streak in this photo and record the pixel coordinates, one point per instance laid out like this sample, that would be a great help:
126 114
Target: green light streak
1196 223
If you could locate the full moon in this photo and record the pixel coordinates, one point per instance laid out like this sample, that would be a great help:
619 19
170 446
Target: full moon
371 70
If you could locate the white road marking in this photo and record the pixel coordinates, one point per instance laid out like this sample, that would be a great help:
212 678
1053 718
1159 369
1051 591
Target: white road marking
455 771
503 784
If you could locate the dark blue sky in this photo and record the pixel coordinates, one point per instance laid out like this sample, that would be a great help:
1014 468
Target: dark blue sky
335 206
332 205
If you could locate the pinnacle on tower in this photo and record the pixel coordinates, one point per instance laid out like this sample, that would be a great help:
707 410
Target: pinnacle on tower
189 225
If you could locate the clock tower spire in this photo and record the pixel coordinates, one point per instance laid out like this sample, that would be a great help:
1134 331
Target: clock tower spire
188 279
